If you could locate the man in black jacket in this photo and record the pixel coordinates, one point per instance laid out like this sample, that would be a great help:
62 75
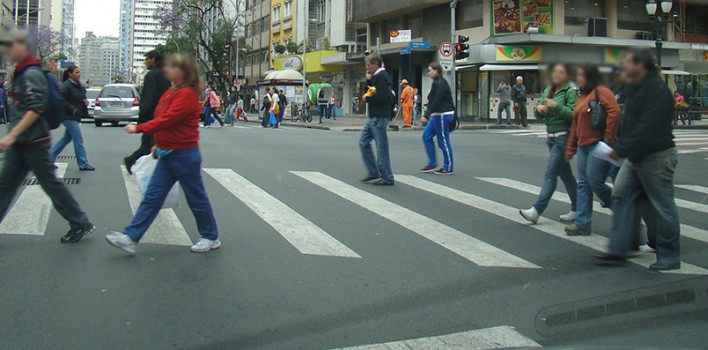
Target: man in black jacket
647 142
380 100
154 86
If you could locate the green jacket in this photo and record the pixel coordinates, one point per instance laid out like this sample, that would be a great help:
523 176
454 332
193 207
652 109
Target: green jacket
558 119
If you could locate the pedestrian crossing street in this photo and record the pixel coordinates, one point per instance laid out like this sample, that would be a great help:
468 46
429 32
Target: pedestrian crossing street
31 211
687 141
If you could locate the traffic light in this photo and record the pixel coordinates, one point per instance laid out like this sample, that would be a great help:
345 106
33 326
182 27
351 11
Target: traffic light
461 47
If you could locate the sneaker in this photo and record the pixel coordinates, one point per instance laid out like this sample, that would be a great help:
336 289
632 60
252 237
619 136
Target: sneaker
87 168
575 230
122 241
75 235
370 178
443 172
531 215
205 245
381 182
645 248
664 267
427 169
570 217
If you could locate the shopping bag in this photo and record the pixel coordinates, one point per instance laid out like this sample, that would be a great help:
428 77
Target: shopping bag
143 170
272 119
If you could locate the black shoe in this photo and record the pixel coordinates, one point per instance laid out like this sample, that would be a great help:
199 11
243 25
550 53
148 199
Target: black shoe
75 235
87 168
381 182
663 267
126 161
607 259
369 178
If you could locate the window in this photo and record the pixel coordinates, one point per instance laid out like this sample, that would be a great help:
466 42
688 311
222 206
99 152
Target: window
469 14
276 14
632 14
578 11
265 24
321 10
287 9
696 19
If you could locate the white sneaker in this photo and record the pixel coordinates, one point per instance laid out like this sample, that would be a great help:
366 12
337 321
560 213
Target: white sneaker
530 214
645 248
122 241
205 245
570 217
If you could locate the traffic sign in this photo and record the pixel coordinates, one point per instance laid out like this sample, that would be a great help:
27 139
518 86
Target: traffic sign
446 54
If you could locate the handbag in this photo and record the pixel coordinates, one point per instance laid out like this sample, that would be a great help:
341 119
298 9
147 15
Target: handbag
598 114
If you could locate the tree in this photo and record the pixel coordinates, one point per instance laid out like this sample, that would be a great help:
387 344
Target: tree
206 29
48 44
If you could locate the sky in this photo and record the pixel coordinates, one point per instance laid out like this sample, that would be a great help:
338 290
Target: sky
98 16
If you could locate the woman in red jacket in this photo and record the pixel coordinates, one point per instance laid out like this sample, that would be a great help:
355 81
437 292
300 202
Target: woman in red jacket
582 139
176 132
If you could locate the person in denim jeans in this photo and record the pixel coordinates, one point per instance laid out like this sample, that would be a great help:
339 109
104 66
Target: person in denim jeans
582 139
647 144
556 110
380 101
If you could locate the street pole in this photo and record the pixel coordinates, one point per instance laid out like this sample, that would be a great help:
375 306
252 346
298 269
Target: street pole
453 33
304 54
659 42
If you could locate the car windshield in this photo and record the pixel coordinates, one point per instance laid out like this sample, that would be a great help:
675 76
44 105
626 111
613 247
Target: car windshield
92 94
117 92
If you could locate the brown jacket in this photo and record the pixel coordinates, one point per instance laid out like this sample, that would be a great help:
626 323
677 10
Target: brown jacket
581 132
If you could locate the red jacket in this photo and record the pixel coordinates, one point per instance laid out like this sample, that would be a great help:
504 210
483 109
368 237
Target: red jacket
581 132
176 123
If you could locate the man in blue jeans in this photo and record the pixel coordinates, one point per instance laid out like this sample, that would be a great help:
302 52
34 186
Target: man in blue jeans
647 144
379 99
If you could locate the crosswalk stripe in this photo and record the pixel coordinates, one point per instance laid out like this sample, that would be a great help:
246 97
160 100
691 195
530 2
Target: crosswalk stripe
468 247
304 235
690 151
694 188
691 138
166 228
501 337
686 230
682 144
30 213
596 242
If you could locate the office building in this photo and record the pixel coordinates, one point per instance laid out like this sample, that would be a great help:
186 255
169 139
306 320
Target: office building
99 59
139 33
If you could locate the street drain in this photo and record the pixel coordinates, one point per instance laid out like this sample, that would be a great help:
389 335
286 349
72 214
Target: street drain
66 157
67 180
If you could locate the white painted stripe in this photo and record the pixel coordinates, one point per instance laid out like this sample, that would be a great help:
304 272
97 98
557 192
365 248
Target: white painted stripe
544 134
686 230
501 337
690 151
692 138
694 188
470 248
682 144
30 213
304 235
166 229
553 228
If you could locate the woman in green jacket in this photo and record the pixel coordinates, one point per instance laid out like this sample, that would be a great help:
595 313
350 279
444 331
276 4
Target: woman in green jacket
556 110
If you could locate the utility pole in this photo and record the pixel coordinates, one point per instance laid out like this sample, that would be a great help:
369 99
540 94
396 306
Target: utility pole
453 33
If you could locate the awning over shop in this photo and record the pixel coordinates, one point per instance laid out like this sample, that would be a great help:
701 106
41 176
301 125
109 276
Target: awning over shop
501 67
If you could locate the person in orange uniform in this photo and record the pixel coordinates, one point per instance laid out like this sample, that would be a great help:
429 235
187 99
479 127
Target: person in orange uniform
407 97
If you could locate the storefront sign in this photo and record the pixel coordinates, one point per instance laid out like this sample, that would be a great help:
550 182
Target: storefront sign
516 16
614 55
519 53
293 62
400 35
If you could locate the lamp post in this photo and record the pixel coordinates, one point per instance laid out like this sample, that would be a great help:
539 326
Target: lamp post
659 22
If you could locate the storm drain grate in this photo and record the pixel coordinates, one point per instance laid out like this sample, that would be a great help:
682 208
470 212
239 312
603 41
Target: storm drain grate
66 157
66 180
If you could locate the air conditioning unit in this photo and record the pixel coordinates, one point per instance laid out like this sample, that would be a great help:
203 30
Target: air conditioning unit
319 44
597 26
645 36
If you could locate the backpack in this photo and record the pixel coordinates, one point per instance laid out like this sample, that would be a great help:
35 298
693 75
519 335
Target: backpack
54 112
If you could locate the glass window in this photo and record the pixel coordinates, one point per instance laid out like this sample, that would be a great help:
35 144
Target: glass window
696 19
632 14
578 11
469 14
276 14
287 9
117 91
265 25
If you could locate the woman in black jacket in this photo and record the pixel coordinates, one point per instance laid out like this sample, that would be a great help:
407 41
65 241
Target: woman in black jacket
75 103
439 115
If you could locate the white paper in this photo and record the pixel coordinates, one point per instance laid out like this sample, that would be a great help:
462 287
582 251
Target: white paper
603 151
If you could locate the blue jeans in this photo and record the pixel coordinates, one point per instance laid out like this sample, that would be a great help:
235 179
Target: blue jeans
592 173
72 134
504 106
557 167
323 111
652 177
183 166
379 166
439 126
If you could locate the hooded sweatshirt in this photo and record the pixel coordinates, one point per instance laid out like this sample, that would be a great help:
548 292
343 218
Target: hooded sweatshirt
28 91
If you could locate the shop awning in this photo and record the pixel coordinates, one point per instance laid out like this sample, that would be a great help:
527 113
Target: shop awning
675 72
498 67
465 67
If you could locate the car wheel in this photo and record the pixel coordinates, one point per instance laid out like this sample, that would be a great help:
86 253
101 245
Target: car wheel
98 123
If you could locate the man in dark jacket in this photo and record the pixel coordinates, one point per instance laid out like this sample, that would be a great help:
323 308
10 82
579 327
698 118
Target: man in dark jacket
154 86
518 95
26 144
380 100
647 142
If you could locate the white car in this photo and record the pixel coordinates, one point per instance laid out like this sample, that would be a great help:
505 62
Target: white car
91 95
116 103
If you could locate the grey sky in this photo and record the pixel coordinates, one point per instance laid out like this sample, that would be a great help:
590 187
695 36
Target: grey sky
98 16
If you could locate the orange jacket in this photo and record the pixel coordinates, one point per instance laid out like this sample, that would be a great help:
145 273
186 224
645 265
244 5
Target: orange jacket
581 132
407 95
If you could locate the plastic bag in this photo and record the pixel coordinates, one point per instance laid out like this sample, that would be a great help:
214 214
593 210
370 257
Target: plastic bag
272 120
143 170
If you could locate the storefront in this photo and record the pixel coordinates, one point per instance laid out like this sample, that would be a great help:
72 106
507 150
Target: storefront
288 80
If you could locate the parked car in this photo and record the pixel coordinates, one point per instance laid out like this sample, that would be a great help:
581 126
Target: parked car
91 95
117 103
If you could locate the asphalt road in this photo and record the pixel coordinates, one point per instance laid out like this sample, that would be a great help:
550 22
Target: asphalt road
343 263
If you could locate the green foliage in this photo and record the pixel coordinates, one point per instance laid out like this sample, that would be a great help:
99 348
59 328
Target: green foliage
292 47
279 48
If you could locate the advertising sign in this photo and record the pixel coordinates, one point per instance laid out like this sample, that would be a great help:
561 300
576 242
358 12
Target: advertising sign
293 62
400 35
516 16
519 53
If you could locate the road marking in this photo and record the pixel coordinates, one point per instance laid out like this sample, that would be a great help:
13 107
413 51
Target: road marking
691 138
545 134
686 230
304 235
30 213
682 144
166 229
501 337
689 151
694 188
470 248
596 242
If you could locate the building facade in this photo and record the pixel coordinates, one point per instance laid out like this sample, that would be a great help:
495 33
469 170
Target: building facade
99 59
26 13
139 33
256 53
62 22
